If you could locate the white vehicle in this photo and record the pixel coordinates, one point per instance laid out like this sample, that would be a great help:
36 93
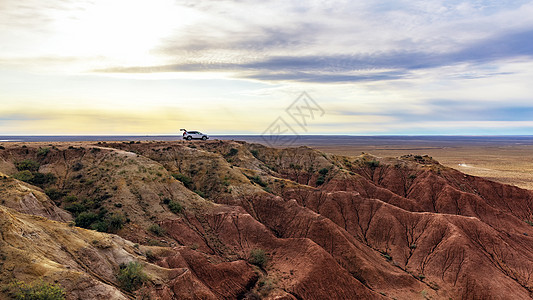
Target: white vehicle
197 135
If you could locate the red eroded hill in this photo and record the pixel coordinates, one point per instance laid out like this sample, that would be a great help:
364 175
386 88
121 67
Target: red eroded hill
231 220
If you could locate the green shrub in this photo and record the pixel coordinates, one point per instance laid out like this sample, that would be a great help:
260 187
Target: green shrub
175 207
156 229
233 152
320 180
258 180
100 226
86 219
387 256
54 194
258 257
42 178
43 151
76 208
77 166
25 176
131 276
71 198
186 180
35 177
254 153
39 290
115 223
372 164
150 256
323 171
27 164
200 193
295 166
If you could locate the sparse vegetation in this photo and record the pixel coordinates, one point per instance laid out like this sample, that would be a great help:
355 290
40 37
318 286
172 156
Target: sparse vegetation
25 176
28 172
156 229
200 193
36 178
175 207
186 180
54 194
42 178
233 152
43 152
255 153
86 219
323 171
258 257
115 223
372 164
99 221
76 208
27 164
265 286
295 166
258 180
71 198
131 276
77 166
38 290
150 255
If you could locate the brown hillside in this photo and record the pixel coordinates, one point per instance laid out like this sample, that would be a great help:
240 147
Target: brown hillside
193 213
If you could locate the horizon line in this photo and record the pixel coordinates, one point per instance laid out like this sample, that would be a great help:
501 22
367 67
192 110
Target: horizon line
260 135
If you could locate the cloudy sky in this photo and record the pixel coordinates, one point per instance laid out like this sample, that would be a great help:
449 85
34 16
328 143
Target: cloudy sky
234 67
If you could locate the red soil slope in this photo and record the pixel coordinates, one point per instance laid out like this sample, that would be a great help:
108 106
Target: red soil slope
332 227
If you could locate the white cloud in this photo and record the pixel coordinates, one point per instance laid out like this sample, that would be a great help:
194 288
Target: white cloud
383 60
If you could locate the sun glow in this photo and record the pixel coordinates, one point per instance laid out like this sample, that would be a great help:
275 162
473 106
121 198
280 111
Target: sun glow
121 31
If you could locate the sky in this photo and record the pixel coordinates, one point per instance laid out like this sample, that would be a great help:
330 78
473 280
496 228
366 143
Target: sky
383 67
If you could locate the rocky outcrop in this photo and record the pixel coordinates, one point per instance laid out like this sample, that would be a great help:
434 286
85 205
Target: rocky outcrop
28 199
